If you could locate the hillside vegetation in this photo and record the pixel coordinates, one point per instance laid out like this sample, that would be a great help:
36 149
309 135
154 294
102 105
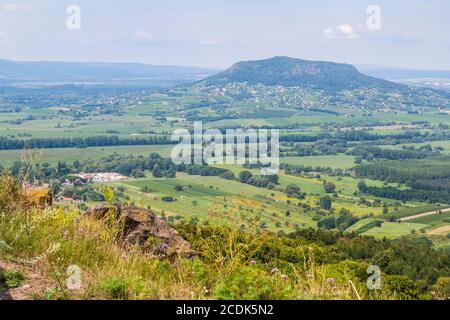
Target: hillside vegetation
290 72
314 85
230 264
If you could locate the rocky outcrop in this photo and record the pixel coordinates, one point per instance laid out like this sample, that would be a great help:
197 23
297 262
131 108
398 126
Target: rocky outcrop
143 228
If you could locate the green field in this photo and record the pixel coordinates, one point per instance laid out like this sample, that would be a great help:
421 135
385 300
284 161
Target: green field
216 200
231 202
444 144
335 162
392 230
436 220
358 226
7 157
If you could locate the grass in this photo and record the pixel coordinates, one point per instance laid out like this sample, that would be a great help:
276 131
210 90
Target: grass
392 230
436 220
191 189
444 144
10 279
112 270
64 125
7 157
335 162
218 201
415 208
213 198
360 224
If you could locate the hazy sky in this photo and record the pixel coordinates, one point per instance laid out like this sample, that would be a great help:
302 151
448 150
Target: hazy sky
218 33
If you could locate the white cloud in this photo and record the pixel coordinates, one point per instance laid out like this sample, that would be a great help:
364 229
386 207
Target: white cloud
143 36
342 31
18 7
348 31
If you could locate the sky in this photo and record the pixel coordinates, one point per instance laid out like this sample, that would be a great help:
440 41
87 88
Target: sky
218 33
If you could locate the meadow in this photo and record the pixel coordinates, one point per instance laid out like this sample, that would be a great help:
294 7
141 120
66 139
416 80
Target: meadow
53 156
335 162
392 230
217 201
329 228
221 201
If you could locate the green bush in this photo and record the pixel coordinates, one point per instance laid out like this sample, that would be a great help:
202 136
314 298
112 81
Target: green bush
52 293
248 283
402 287
2 278
325 202
115 288
10 279
441 290
347 270
168 199
329 187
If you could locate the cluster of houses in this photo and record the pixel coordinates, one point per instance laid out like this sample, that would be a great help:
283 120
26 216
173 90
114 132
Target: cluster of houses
101 177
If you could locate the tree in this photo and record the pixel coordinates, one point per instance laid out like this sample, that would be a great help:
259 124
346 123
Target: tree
273 178
292 190
327 223
137 173
362 185
229 175
124 168
168 199
171 173
329 187
16 168
244 176
403 287
271 186
157 173
325 203
154 156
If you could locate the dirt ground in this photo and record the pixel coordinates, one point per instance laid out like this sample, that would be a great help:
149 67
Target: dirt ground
440 231
34 283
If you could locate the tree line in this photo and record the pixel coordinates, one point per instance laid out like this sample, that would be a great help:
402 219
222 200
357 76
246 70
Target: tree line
80 142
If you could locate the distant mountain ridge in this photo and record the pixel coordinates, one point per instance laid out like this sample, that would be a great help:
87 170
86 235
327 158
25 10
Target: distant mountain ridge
384 72
283 82
290 72
92 71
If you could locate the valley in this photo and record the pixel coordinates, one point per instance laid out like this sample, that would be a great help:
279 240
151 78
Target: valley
361 158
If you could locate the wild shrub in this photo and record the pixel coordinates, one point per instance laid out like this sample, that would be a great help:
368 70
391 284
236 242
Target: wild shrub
115 288
10 279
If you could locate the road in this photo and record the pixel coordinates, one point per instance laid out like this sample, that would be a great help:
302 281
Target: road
425 214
